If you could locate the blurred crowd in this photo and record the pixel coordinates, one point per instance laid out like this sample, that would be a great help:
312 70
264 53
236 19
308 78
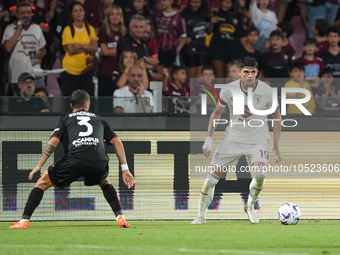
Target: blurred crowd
115 48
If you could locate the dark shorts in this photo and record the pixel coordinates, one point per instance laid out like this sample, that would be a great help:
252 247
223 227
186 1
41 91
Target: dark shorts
67 170
195 59
167 58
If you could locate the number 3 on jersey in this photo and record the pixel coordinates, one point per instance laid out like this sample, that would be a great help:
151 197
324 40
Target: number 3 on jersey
84 121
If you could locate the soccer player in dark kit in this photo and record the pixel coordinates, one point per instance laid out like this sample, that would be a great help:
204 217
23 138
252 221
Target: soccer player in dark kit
82 134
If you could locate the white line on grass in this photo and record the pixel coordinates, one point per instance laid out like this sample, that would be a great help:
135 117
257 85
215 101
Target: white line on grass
184 250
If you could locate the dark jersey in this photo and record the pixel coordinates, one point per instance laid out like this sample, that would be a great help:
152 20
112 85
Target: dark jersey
332 62
227 31
196 25
242 52
274 64
82 134
127 42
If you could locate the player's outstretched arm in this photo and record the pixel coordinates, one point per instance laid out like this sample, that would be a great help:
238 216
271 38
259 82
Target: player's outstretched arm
277 132
120 152
50 148
216 114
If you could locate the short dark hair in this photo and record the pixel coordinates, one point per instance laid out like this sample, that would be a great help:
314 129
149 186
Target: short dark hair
325 71
41 89
23 4
310 41
79 98
277 33
297 64
207 67
175 70
248 62
287 27
333 29
251 29
321 26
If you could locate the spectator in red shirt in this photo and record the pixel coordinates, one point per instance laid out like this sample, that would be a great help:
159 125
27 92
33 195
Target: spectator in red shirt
113 29
313 64
97 15
171 33
287 29
178 89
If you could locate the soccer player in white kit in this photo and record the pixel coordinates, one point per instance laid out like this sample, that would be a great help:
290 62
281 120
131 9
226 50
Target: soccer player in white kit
243 136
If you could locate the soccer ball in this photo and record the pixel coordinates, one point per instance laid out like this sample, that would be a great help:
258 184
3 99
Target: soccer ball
289 214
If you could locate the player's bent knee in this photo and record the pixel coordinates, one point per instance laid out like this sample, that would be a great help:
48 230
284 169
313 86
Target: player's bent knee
105 183
259 170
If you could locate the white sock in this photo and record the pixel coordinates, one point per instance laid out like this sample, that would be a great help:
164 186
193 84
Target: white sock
207 194
23 220
255 188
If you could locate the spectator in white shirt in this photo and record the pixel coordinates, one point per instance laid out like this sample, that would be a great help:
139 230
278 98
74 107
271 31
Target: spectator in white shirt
133 98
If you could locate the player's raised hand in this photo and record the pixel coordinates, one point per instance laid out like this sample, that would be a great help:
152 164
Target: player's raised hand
128 178
277 153
36 169
207 146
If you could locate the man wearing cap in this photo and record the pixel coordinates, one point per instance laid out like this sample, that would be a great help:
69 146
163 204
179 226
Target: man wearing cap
27 102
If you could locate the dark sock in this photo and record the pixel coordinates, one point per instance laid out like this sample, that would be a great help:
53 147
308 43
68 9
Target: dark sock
110 195
32 202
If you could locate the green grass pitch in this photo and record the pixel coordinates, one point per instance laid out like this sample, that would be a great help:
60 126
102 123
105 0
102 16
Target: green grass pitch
172 237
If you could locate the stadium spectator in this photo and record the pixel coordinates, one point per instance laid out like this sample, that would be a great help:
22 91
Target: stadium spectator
287 29
113 29
194 52
126 61
274 63
170 36
331 56
27 102
297 74
43 94
320 31
249 47
327 96
26 43
227 26
148 37
38 16
313 64
140 7
264 19
179 91
79 40
97 17
317 9
82 159
245 13
62 21
131 98
233 68
133 41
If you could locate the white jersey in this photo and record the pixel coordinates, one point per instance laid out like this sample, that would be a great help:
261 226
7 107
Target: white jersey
264 21
247 128
31 39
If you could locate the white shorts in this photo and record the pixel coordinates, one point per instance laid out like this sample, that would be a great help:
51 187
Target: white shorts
229 153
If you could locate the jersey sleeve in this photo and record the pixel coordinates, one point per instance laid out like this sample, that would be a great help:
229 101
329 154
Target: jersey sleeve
59 129
67 36
108 132
224 97
42 41
7 34
93 33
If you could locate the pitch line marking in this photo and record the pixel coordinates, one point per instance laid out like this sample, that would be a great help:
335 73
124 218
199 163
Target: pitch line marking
184 250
